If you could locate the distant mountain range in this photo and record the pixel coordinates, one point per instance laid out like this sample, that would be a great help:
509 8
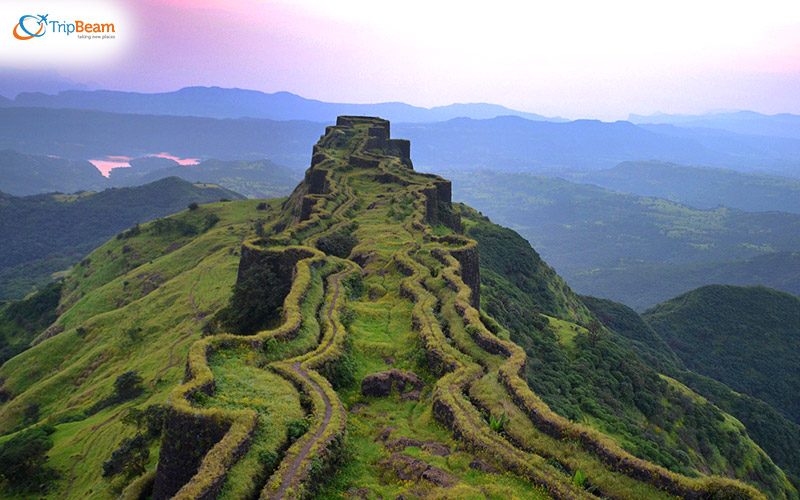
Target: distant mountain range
216 102
22 174
506 143
700 187
741 122
634 249
79 134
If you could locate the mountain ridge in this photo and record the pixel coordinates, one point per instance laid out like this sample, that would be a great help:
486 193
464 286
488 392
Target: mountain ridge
216 102
377 284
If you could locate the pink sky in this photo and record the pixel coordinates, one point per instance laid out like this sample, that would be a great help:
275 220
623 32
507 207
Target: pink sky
571 58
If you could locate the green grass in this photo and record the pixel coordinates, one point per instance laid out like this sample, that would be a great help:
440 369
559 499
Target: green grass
241 385
67 373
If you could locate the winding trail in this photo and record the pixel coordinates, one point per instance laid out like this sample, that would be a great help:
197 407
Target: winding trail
293 473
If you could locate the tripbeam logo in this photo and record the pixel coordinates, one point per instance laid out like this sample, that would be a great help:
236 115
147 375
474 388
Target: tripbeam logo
26 25
30 27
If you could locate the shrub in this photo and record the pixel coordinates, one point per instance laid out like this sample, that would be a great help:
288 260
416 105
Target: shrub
342 372
128 386
23 458
354 285
210 221
338 244
347 315
261 206
130 458
297 428
498 424
268 459
134 333
31 414
193 205
150 421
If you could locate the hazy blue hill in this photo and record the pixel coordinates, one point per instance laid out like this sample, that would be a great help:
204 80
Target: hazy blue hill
4 101
632 249
580 227
743 122
512 143
216 102
518 145
506 143
22 174
644 285
146 164
94 134
772 431
52 226
748 153
700 187
745 337
254 179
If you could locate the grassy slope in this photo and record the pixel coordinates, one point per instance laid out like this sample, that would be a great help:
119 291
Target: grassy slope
51 228
107 297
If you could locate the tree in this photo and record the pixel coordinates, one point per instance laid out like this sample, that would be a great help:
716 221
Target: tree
595 331
130 458
193 205
31 414
128 386
23 458
338 244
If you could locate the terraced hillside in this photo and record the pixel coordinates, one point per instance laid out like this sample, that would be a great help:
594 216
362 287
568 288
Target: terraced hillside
379 377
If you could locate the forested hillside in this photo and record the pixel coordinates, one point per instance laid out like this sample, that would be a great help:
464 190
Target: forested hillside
745 337
45 233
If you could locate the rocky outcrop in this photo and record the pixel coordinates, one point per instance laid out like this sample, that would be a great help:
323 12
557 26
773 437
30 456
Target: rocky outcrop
430 447
468 257
381 384
470 272
412 469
